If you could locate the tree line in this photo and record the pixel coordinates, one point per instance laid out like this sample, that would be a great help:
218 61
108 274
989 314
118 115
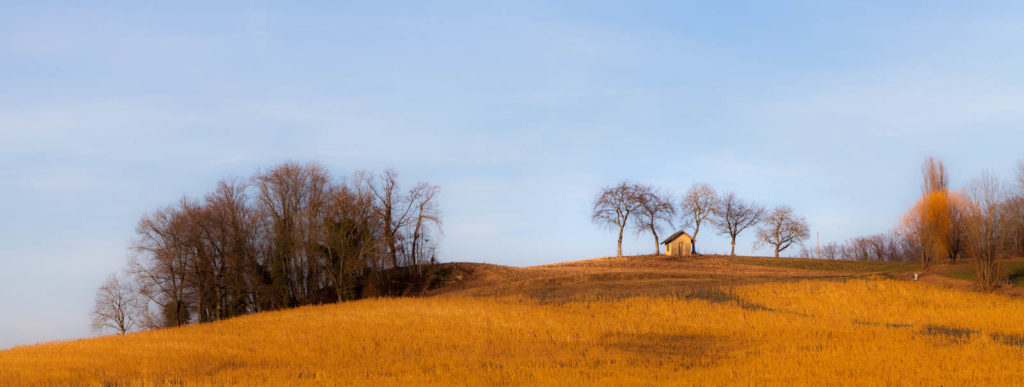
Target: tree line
983 221
290 235
643 209
888 246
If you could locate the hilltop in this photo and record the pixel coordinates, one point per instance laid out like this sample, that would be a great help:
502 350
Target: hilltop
655 275
650 275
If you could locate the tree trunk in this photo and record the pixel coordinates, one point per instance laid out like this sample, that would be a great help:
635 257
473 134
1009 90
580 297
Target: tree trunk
179 309
620 241
657 246
733 251
776 251
340 286
693 239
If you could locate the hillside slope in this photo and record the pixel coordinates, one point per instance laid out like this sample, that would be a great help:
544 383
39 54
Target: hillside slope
645 320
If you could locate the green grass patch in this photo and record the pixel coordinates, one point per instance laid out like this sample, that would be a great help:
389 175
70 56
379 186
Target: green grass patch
965 273
1012 269
855 267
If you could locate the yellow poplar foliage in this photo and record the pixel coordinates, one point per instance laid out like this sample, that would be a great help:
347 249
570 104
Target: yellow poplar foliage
857 332
930 222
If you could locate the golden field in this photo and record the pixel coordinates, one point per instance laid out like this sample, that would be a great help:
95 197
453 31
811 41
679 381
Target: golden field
837 331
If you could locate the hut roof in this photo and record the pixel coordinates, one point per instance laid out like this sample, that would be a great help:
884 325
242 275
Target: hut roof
675 236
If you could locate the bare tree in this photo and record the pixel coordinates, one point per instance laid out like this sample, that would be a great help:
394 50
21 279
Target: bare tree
117 306
1015 207
1015 214
830 251
890 246
279 199
987 234
655 209
957 212
698 206
352 236
1020 178
291 200
782 228
162 261
733 216
229 235
394 210
613 207
423 198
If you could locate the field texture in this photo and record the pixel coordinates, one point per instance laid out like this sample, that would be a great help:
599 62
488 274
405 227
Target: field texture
859 331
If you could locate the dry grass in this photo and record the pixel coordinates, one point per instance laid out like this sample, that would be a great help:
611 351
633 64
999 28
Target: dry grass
842 332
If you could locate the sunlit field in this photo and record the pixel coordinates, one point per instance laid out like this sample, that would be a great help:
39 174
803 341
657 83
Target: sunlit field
852 332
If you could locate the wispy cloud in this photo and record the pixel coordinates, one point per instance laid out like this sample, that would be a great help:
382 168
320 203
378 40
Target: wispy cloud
60 182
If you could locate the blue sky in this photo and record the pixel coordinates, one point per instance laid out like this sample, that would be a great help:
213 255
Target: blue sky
519 111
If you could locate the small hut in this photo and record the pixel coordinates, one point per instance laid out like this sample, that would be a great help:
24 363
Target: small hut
678 244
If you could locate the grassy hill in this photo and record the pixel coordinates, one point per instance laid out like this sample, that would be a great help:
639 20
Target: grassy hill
649 275
613 321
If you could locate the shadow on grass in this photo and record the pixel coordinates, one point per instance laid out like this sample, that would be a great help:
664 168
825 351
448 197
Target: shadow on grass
878 324
685 351
954 333
723 297
959 335
962 334
1012 340
1017 277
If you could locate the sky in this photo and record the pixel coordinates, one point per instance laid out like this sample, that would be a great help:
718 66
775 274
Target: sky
520 111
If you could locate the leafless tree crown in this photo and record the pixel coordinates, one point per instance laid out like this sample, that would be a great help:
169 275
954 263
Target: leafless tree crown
698 207
935 177
988 227
117 306
613 207
734 215
781 229
655 210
